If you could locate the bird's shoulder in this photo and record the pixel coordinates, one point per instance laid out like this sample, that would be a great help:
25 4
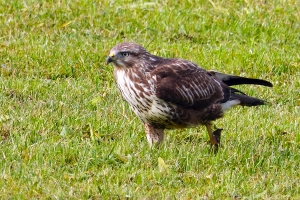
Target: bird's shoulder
174 66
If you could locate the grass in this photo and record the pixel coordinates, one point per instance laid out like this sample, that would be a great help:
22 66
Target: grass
66 133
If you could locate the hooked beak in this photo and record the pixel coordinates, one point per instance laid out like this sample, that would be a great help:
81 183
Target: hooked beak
110 58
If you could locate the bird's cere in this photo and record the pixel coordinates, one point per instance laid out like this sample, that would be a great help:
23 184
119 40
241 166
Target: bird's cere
112 54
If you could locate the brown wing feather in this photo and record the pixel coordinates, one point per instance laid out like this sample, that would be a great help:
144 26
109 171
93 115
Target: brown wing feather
184 83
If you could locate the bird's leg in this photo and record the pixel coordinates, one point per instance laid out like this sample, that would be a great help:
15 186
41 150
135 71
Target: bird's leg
214 136
212 139
154 136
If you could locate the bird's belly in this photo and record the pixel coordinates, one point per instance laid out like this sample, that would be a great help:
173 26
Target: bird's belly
153 111
160 112
147 107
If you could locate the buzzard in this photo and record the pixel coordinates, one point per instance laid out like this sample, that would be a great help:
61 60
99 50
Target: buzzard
170 93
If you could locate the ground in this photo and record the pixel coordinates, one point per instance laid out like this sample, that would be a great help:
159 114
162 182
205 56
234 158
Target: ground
66 133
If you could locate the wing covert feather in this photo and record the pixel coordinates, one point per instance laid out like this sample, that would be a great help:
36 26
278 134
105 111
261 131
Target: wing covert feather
184 83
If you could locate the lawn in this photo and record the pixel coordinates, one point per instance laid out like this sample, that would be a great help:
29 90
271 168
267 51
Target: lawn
66 133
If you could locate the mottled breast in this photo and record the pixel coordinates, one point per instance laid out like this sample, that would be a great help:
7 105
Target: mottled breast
136 89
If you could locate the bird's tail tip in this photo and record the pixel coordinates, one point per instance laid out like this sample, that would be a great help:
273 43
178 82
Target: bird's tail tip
249 101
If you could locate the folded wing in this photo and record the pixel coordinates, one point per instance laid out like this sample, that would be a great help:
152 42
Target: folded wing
184 83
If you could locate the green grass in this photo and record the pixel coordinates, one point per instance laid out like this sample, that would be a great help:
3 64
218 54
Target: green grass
66 133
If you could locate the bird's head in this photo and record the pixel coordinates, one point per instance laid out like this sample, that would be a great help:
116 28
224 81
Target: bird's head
126 54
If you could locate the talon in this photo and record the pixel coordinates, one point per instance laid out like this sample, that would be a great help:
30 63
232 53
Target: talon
217 135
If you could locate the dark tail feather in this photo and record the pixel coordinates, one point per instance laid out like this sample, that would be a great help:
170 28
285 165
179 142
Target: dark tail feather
248 101
238 80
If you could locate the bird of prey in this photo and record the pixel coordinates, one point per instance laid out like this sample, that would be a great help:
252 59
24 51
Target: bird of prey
171 93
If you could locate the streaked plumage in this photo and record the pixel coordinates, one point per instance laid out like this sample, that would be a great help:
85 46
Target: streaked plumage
169 93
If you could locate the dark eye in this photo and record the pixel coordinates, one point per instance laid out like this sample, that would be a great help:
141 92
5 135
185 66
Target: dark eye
125 54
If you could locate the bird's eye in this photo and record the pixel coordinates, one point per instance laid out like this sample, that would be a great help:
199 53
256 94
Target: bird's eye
125 54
